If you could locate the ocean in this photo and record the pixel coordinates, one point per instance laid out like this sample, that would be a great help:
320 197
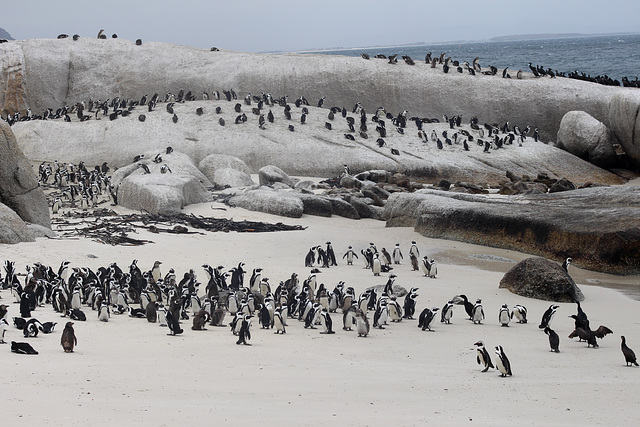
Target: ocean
613 55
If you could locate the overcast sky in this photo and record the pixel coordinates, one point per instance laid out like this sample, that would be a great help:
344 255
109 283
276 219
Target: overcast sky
284 25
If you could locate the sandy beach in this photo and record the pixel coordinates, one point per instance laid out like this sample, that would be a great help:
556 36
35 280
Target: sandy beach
130 371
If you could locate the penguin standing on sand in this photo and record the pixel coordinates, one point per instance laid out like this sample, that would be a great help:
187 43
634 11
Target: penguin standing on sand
331 255
504 316
103 312
414 262
244 334
477 314
3 329
68 340
426 317
386 257
482 356
326 321
502 362
278 321
426 266
350 255
310 259
172 323
413 250
376 265
447 312
410 303
554 339
362 323
397 254
380 315
548 316
520 312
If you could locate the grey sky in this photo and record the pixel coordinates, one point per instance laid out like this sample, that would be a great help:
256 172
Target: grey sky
271 25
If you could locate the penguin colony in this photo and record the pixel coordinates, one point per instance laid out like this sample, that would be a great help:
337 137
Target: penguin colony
234 295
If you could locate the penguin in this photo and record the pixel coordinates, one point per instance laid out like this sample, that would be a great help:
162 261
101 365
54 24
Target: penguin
548 316
325 319
397 254
410 304
22 348
565 265
31 328
3 329
68 340
477 314
629 355
172 323
433 269
362 323
482 356
244 334
278 322
349 318
151 312
350 255
155 271
447 313
310 259
504 316
77 314
520 312
414 249
426 317
502 362
380 315
554 339
414 262
47 327
331 254
217 317
425 266
103 312
312 315
394 310
376 265
200 318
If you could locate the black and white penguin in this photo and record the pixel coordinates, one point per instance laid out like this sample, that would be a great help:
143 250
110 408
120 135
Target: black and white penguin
554 339
565 265
173 323
482 356
350 255
447 313
397 254
380 315
326 321
502 362
244 334
31 328
362 323
548 316
22 348
433 269
48 327
520 312
310 259
477 314
349 318
376 265
504 316
278 321
3 329
386 257
410 303
414 262
103 312
426 317
394 309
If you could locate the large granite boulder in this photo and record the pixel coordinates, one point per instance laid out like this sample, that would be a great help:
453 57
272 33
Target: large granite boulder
543 279
314 204
343 208
582 135
19 188
269 201
624 121
228 177
598 227
12 227
162 194
268 175
210 164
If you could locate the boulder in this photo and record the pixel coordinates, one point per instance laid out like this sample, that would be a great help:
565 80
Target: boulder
562 185
370 194
232 178
19 189
582 135
543 279
162 194
213 162
268 175
361 206
343 208
269 201
598 227
624 121
314 205
12 227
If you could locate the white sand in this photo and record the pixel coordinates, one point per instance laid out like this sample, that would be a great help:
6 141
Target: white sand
128 371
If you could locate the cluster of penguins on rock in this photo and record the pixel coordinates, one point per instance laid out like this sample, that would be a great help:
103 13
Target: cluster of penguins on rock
155 297
448 63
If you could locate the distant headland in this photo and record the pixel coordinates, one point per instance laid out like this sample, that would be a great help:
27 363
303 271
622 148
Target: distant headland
4 34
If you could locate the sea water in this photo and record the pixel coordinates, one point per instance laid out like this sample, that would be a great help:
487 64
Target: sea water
613 55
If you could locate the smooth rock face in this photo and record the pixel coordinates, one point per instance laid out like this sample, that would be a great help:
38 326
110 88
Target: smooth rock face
542 279
599 227
624 121
269 201
160 193
315 205
213 162
19 188
582 135
232 178
270 174
343 208
12 228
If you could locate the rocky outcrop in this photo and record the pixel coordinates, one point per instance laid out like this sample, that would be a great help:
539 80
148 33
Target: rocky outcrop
19 188
543 279
268 175
624 121
12 227
269 201
210 164
582 135
598 227
227 177
160 193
